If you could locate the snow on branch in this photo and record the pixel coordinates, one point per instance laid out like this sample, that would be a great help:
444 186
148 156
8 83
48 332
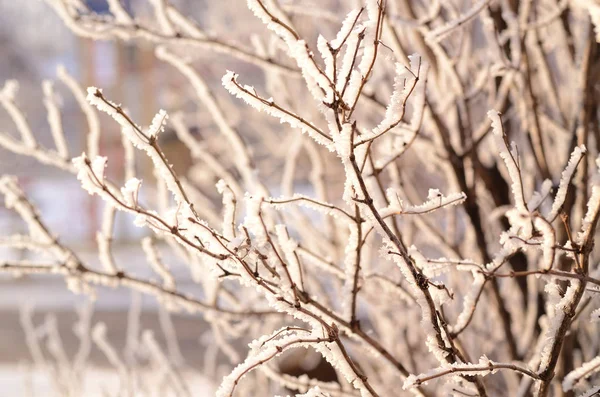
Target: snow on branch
577 375
594 11
54 120
469 303
548 241
104 239
268 351
146 140
435 201
275 20
157 264
560 314
119 11
229 209
93 134
588 227
538 197
595 316
348 25
14 199
404 85
510 156
7 97
312 203
484 367
249 95
565 180
91 175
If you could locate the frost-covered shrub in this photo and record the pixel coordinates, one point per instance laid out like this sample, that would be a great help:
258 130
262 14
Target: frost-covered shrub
422 213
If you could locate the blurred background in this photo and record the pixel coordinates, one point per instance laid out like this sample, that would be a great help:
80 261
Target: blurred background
33 42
